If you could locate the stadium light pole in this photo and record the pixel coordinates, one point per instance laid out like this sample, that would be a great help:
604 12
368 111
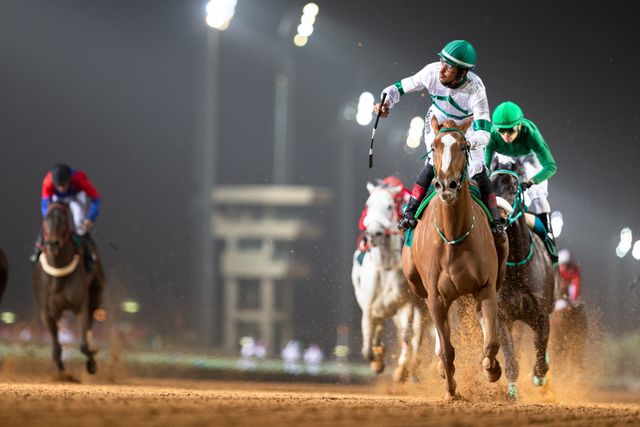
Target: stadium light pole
284 91
219 14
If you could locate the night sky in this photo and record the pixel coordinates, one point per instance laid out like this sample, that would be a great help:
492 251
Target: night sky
115 89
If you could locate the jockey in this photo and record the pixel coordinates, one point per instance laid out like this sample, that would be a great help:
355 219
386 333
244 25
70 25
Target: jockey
456 94
400 196
72 187
519 138
569 277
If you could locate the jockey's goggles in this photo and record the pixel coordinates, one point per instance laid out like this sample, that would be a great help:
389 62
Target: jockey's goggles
508 131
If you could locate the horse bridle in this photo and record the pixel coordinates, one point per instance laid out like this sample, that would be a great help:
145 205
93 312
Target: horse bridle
517 207
517 210
463 176
467 151
65 235
390 231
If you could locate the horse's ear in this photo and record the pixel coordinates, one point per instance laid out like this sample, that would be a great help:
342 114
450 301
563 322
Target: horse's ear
370 187
435 126
465 125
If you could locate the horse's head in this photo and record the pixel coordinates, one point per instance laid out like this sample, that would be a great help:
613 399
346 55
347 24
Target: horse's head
504 177
507 186
56 227
450 157
382 218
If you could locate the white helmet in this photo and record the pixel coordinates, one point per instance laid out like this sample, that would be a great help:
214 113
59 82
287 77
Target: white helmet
563 256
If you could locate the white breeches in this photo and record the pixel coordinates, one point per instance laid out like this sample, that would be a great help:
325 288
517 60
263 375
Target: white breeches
78 206
536 196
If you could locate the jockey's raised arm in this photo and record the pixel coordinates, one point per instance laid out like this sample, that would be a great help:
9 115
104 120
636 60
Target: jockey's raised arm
456 94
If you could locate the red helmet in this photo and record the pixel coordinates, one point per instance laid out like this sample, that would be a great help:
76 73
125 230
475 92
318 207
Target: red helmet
393 181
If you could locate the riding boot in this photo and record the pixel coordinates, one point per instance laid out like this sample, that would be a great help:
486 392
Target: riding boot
409 217
488 197
549 240
418 192
37 249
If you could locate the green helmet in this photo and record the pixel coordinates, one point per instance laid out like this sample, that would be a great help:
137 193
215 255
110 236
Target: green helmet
507 115
459 53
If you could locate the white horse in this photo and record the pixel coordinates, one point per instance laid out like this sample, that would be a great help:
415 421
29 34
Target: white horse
381 289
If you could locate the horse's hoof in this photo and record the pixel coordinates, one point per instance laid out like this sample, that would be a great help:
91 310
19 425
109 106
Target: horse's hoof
539 381
377 366
513 391
400 374
92 367
451 397
491 374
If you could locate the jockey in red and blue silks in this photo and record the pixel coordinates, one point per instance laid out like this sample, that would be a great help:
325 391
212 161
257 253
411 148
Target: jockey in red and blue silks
72 187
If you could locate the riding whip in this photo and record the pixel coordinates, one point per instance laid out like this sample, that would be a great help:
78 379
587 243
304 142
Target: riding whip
373 132
107 240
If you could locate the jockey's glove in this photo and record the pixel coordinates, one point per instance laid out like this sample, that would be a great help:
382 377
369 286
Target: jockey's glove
526 184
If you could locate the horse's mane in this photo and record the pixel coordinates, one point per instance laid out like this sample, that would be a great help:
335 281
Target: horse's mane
448 123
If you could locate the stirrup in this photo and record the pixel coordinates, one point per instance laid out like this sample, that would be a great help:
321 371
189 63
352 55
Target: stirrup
497 226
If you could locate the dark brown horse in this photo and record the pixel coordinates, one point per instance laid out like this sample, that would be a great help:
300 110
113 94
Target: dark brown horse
62 282
527 291
453 253
4 272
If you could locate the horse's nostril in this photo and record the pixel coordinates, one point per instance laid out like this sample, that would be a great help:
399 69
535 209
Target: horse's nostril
438 185
453 185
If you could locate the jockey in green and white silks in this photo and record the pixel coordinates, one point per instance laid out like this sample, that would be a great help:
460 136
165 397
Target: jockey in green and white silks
519 138
456 94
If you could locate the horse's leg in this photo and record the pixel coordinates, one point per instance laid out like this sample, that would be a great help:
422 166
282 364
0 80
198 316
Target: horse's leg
366 326
411 273
377 346
52 325
85 317
404 320
512 368
444 349
488 304
419 327
540 329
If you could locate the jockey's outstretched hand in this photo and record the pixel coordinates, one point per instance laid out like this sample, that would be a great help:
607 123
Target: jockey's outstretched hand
87 225
384 107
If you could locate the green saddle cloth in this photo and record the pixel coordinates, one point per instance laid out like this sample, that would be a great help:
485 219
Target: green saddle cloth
475 195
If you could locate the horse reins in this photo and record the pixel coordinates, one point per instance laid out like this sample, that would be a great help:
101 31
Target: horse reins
463 176
516 212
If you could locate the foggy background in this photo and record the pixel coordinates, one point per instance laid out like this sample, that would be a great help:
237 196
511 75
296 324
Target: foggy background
116 89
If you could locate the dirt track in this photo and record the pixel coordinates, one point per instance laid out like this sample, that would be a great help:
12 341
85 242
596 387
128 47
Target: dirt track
167 402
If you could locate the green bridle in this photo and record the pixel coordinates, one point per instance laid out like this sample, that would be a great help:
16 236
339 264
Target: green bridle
463 176
517 210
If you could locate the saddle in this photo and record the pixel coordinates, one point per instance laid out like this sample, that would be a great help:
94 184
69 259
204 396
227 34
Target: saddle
431 192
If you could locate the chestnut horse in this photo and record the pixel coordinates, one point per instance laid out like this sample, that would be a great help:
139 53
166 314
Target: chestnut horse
527 291
62 282
454 254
